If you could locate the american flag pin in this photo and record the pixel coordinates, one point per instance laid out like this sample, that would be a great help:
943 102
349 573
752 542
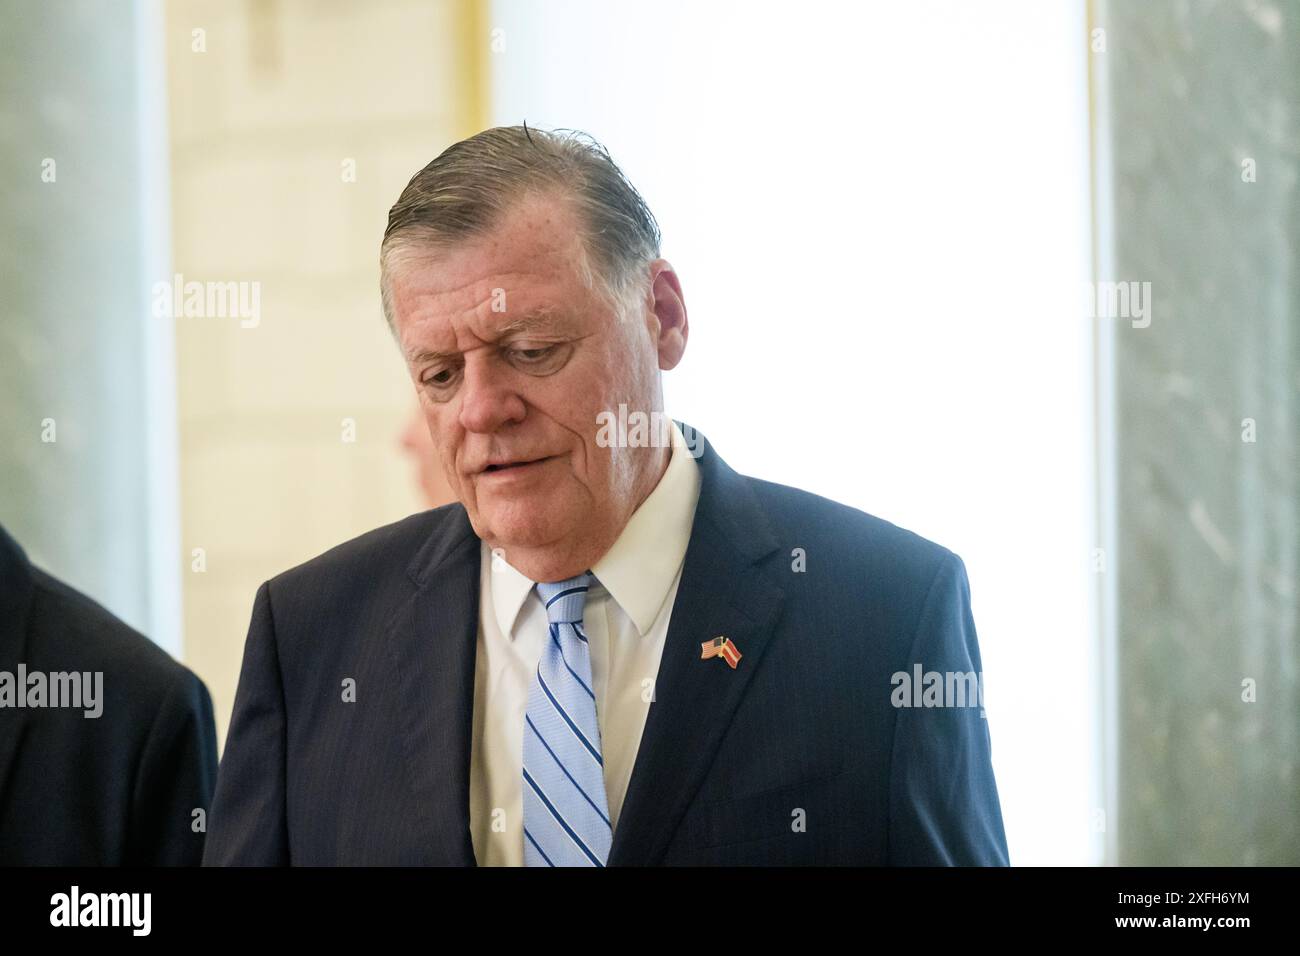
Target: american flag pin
722 647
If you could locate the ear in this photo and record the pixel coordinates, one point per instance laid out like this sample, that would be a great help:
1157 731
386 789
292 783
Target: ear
670 310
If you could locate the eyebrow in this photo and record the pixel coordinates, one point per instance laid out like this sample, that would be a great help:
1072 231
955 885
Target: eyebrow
530 320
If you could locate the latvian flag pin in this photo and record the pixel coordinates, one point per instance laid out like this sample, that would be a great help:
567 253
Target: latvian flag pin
721 647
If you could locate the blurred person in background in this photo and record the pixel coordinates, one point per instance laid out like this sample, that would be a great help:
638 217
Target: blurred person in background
429 476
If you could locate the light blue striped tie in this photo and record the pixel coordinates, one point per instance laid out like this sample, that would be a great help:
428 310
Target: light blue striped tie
566 816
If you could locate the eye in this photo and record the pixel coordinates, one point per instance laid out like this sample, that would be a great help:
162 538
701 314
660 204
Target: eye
440 382
534 354
539 359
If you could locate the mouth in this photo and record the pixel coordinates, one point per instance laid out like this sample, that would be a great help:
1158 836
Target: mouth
514 465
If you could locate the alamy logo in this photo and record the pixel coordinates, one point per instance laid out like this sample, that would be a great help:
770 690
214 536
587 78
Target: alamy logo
75 689
922 688
636 429
102 909
208 300
1118 300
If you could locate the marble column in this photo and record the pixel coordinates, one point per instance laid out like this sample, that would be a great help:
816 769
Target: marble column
87 416
1201 115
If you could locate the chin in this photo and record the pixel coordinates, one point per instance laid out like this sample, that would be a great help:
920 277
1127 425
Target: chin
516 526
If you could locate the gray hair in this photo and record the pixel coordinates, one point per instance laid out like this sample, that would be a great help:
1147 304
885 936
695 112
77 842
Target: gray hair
465 191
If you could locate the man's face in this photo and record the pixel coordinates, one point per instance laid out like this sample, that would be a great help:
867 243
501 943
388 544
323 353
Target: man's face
513 357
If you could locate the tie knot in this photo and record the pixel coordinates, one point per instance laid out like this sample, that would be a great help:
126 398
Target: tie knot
564 599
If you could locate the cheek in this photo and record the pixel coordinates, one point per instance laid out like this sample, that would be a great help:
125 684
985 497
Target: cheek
445 448
604 469
450 467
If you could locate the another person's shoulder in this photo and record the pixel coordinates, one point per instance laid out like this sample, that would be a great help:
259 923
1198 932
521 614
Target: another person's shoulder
71 631
146 691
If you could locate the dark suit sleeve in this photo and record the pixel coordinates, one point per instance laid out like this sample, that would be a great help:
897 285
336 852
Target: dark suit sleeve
176 777
247 824
943 800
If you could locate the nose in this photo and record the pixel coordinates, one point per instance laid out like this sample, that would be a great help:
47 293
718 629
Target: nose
488 397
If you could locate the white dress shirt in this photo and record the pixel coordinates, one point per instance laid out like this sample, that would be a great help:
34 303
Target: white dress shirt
626 620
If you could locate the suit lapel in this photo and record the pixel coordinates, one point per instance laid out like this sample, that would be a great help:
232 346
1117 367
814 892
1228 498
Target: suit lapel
434 638
694 699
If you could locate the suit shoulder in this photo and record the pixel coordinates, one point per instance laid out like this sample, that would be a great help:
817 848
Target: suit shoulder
71 631
850 533
382 552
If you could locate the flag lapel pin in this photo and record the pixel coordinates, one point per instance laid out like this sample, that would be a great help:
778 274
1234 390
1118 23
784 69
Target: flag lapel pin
721 647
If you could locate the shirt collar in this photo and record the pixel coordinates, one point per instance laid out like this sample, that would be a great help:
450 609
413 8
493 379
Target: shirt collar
639 570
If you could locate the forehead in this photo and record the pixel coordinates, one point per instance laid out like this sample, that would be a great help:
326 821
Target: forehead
528 264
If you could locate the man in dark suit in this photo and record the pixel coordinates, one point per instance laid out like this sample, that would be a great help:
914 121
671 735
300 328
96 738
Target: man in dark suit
108 748
614 650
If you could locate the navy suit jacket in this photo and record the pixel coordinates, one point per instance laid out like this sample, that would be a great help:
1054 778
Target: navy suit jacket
797 756
120 789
